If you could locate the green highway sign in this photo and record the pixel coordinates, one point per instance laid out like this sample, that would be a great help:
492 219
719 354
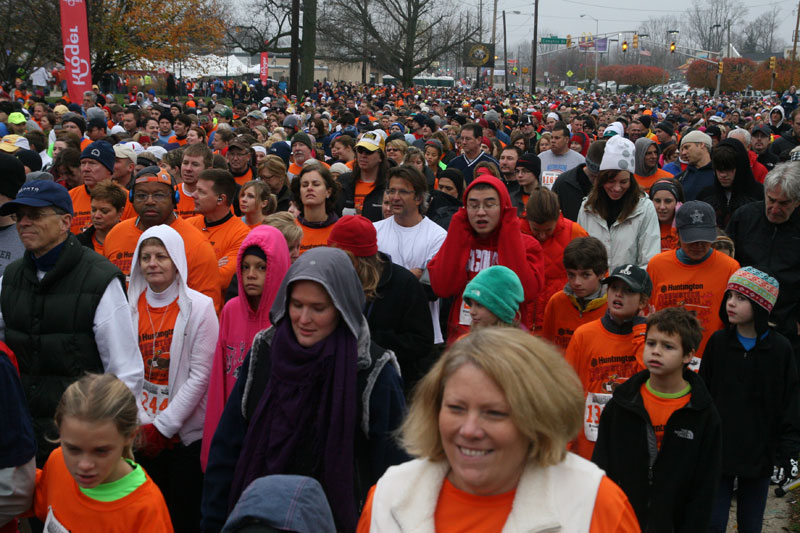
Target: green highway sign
570 73
552 40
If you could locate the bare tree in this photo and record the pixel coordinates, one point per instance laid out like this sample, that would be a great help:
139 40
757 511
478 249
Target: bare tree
403 37
659 38
259 26
707 23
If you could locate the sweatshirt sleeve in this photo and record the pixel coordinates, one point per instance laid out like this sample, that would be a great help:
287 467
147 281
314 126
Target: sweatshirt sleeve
448 268
215 401
223 455
116 339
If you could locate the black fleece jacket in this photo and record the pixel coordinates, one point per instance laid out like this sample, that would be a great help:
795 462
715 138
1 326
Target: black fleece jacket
671 489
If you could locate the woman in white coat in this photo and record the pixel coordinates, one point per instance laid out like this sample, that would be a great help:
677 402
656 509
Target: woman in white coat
617 211
177 332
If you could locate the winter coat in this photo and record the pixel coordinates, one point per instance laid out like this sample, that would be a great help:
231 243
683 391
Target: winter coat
772 248
399 320
192 347
380 408
442 208
633 241
572 188
671 488
782 127
373 202
744 189
239 324
757 394
695 179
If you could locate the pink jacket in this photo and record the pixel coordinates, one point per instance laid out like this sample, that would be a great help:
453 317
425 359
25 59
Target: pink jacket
239 323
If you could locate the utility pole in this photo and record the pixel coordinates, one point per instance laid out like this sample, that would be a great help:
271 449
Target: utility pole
534 45
794 47
480 40
294 61
505 48
494 43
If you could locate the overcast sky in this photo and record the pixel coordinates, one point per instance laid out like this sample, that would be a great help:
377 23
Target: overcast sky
562 17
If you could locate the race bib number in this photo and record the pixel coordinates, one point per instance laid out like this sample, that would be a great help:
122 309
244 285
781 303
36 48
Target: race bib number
548 179
155 398
595 403
464 318
694 364
52 525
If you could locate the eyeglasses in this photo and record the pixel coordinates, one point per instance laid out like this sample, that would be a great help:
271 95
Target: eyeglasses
401 192
487 206
393 150
33 215
157 196
362 150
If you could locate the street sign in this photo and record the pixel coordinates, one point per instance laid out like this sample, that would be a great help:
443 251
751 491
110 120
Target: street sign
546 74
524 70
552 40
570 73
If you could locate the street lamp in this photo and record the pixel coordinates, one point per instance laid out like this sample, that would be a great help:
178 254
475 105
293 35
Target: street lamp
596 55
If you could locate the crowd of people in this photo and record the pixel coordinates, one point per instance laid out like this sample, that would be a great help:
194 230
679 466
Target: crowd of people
379 309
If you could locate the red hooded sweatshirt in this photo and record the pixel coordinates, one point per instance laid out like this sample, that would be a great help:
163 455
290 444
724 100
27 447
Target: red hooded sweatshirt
239 323
463 254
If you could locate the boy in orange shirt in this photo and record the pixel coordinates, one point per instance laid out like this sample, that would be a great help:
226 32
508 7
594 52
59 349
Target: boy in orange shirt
660 437
608 351
582 300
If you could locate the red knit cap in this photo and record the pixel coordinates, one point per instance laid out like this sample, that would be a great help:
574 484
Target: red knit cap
356 234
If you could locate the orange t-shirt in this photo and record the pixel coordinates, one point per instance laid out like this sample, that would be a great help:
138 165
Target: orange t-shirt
669 238
313 237
602 360
660 408
699 288
156 325
562 317
58 494
201 261
244 178
645 182
362 190
174 140
85 142
185 207
226 239
82 209
97 246
460 512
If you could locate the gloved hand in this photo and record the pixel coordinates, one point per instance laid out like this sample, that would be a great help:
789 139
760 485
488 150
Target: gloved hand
151 441
785 470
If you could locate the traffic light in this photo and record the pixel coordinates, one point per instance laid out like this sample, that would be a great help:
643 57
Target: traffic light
624 46
636 40
772 63
569 41
719 66
672 47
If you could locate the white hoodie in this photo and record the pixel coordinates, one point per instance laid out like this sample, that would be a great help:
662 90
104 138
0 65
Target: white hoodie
193 340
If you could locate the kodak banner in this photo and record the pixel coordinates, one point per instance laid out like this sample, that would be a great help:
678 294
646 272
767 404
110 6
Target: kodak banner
264 67
75 37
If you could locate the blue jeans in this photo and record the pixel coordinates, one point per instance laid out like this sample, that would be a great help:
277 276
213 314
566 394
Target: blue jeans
751 499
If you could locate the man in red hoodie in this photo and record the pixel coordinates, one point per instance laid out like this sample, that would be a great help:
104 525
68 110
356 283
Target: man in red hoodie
483 234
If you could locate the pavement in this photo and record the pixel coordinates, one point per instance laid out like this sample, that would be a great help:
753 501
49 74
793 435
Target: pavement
776 516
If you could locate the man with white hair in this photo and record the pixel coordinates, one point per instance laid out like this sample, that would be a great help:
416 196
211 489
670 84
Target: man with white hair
764 234
743 136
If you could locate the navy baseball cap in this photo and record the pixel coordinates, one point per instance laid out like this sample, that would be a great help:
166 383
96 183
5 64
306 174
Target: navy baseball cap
39 193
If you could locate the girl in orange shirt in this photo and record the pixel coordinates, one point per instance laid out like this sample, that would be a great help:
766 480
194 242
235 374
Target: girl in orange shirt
256 202
91 482
314 192
667 196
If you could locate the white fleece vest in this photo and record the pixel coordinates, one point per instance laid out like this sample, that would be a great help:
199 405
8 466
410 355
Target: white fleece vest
557 498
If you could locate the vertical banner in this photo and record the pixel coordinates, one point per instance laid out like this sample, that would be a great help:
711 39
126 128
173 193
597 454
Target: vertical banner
75 37
264 67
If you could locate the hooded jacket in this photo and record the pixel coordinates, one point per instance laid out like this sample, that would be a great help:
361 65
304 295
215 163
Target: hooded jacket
757 394
671 488
635 240
239 323
572 187
193 339
644 176
380 391
744 189
781 127
464 253
292 503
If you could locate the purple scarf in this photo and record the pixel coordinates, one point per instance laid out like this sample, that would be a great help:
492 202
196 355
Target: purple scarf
305 422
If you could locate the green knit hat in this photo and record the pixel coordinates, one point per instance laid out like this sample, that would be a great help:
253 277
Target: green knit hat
499 290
